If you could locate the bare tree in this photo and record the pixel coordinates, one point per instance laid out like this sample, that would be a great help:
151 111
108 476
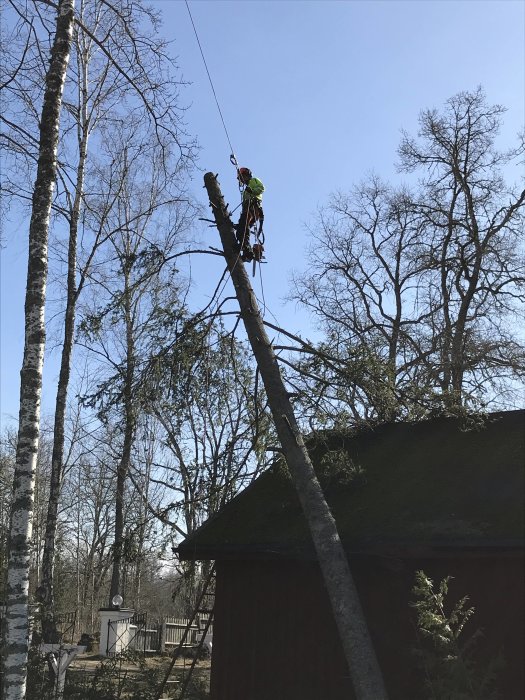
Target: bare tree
90 491
418 289
141 523
213 422
119 70
474 251
7 468
362 287
31 375
148 223
103 99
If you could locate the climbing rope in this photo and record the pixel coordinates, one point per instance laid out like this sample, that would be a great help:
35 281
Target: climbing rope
232 151
233 159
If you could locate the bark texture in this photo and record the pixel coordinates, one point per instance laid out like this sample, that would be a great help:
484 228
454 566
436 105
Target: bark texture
46 589
365 672
17 642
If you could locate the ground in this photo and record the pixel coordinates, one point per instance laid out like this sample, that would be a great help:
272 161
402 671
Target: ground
127 677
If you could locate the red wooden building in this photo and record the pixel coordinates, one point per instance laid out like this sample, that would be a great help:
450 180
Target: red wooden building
438 496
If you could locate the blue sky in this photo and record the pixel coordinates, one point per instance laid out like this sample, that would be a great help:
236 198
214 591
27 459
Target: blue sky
314 95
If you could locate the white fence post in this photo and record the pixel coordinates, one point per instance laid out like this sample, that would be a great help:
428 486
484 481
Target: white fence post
114 630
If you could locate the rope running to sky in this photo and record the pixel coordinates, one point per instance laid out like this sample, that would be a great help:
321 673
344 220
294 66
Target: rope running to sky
232 150
211 81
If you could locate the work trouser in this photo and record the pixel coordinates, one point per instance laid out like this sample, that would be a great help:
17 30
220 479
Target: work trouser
250 214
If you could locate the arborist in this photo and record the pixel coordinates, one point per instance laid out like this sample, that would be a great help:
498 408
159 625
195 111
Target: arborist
251 213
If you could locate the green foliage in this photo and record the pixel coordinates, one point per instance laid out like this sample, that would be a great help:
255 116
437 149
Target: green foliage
448 663
337 470
334 384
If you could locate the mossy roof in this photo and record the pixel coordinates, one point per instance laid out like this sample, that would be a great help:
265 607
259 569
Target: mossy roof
438 483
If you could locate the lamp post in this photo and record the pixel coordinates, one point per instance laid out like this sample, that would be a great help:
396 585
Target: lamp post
114 627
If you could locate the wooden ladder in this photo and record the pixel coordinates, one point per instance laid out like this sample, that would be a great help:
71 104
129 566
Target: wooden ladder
203 616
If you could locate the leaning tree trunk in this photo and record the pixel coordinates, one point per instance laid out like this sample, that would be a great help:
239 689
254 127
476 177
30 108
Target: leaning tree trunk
364 669
16 650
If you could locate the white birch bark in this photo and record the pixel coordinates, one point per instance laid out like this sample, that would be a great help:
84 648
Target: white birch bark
17 642
364 669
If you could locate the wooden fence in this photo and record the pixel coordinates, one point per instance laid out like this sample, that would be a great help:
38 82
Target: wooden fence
165 635
160 637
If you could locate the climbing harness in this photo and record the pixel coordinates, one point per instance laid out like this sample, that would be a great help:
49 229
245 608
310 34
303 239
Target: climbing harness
252 213
248 223
247 252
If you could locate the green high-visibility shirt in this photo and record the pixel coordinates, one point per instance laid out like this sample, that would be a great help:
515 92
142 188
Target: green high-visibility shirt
254 190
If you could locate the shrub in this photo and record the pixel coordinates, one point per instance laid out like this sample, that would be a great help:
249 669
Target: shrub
445 654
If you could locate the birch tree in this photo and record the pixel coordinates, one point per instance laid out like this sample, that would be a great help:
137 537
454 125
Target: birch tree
16 654
145 206
119 68
118 61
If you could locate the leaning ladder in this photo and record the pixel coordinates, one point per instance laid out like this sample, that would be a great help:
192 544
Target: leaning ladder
203 609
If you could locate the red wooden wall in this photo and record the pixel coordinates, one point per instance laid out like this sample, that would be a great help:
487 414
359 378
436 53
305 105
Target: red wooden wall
275 638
